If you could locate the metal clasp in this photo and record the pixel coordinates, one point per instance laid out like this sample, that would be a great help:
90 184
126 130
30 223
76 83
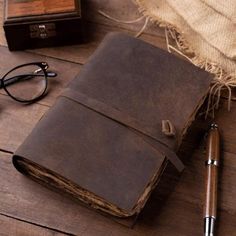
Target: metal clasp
43 31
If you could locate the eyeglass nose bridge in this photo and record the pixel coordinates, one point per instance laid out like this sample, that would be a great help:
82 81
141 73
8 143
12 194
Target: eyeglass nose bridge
44 65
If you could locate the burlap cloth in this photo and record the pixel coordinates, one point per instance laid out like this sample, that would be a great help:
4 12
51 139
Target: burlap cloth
204 31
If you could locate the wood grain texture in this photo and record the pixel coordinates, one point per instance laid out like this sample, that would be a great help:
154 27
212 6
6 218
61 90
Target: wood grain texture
120 10
2 35
97 27
38 7
66 71
210 207
211 186
179 215
17 227
227 125
96 32
17 121
192 187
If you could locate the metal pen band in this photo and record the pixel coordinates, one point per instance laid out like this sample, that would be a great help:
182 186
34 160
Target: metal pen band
212 162
210 216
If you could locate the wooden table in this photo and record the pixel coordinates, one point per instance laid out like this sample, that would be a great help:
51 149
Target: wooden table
29 209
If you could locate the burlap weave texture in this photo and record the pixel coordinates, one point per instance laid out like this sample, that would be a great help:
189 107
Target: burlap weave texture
204 31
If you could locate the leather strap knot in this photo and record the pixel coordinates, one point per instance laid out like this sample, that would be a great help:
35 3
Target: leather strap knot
168 128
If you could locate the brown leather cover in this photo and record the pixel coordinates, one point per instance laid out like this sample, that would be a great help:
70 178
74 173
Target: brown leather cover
102 141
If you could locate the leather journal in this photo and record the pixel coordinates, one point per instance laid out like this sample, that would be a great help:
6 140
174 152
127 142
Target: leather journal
109 136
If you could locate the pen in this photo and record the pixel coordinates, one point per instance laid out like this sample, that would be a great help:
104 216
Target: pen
212 165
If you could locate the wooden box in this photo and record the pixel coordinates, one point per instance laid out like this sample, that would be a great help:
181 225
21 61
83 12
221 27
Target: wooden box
42 23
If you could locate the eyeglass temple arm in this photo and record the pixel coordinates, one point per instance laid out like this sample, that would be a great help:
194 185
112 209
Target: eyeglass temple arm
11 80
17 78
51 74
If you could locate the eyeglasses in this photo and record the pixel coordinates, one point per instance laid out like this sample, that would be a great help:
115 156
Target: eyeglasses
27 83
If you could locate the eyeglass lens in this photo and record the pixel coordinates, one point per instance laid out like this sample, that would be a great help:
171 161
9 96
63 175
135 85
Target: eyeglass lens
26 83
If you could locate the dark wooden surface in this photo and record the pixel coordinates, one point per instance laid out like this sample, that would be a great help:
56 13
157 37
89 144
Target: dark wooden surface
27 208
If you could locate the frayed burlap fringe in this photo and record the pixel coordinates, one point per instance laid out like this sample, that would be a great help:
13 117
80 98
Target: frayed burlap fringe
222 80
128 21
177 43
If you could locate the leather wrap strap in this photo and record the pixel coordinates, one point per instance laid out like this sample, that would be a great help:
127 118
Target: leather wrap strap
124 119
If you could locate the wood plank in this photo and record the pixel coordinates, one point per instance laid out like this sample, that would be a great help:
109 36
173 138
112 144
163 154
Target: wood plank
17 121
180 218
96 32
2 34
66 70
180 214
35 8
194 175
15 227
81 52
227 124
122 11
24 199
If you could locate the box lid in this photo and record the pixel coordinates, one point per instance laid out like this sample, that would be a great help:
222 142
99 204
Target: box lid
30 10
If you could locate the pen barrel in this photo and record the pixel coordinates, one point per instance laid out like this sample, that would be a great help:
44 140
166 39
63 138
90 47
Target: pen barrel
210 209
212 165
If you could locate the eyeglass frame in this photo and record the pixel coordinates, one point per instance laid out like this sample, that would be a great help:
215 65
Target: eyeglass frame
43 66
